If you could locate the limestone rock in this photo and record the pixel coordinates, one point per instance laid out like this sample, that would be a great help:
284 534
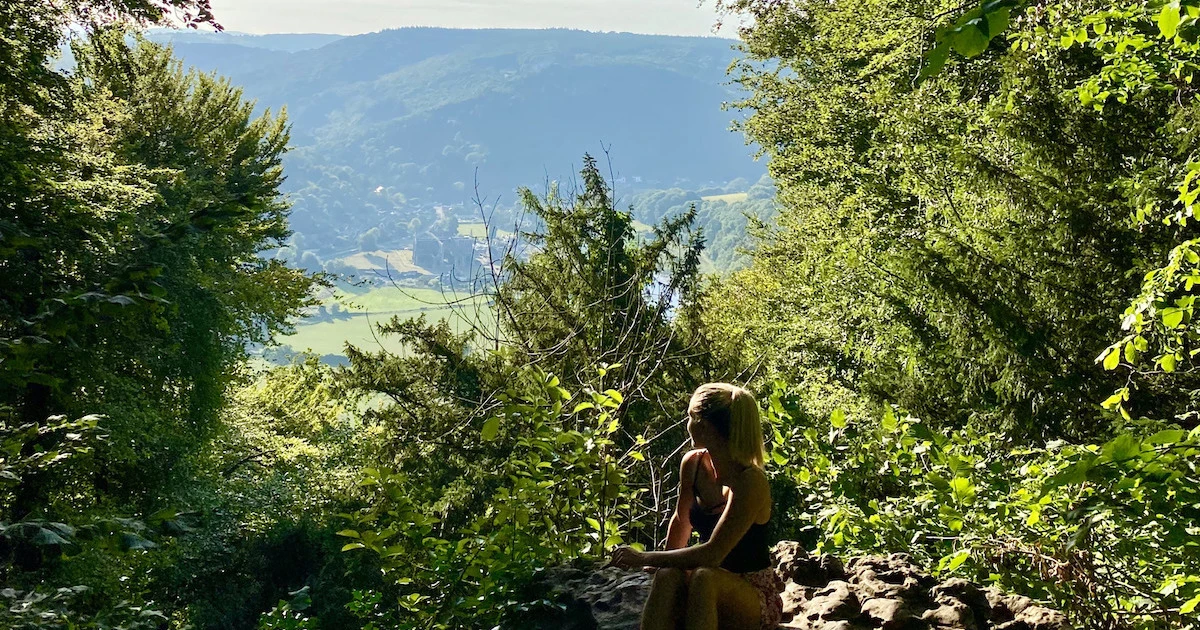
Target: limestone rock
1042 618
870 585
892 614
796 597
1012 625
613 597
832 567
1005 607
953 614
793 563
835 602
840 625
960 590
867 593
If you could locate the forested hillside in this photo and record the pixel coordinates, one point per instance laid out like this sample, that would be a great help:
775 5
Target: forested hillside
389 125
967 311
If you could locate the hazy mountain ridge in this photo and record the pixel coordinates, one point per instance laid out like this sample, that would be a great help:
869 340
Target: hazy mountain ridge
387 125
288 42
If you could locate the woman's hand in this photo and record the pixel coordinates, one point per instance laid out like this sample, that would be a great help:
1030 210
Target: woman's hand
627 558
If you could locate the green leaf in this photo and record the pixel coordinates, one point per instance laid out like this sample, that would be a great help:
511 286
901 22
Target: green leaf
957 560
1168 20
582 406
1190 605
1074 474
1112 359
1122 448
1167 436
1168 362
963 489
1172 317
889 422
922 432
490 428
615 395
970 39
937 481
1131 354
838 419
997 21
1112 401
48 537
935 59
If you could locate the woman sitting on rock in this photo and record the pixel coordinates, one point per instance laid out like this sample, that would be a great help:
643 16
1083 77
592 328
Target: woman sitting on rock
727 580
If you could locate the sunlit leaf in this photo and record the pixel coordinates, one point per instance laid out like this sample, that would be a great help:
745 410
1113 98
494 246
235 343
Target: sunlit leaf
1168 20
490 428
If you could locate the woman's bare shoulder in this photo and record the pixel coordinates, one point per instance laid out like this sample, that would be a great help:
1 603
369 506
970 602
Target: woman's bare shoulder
690 460
753 479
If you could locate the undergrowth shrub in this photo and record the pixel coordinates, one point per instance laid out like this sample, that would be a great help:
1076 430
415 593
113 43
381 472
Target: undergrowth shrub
1107 532
564 495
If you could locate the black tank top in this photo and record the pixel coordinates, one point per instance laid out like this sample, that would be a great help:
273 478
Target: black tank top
751 553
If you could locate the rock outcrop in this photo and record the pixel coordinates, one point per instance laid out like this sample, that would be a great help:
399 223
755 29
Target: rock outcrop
822 593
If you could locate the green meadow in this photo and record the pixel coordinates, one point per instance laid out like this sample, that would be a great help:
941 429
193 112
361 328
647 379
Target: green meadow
728 198
363 309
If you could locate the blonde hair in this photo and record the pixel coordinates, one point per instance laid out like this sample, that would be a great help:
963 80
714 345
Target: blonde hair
733 411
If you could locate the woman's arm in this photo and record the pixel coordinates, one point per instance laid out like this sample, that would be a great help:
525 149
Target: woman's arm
680 528
749 494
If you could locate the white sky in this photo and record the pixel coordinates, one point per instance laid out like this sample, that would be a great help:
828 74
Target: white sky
667 17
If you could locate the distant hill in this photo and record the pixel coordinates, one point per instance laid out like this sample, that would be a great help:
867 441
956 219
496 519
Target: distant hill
389 125
288 42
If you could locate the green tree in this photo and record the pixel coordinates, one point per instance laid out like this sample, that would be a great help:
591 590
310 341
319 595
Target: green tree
960 246
178 273
592 294
136 198
580 294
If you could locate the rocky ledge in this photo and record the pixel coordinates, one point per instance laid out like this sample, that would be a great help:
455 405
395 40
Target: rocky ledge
822 593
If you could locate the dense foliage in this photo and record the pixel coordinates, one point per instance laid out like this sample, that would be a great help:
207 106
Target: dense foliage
564 493
1106 531
999 245
967 301
962 248
136 199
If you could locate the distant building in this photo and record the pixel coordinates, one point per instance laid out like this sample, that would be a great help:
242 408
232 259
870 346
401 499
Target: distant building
455 254
427 251
459 255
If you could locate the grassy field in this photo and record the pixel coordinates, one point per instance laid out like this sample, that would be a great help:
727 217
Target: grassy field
398 261
330 337
729 198
478 230
368 307
395 299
